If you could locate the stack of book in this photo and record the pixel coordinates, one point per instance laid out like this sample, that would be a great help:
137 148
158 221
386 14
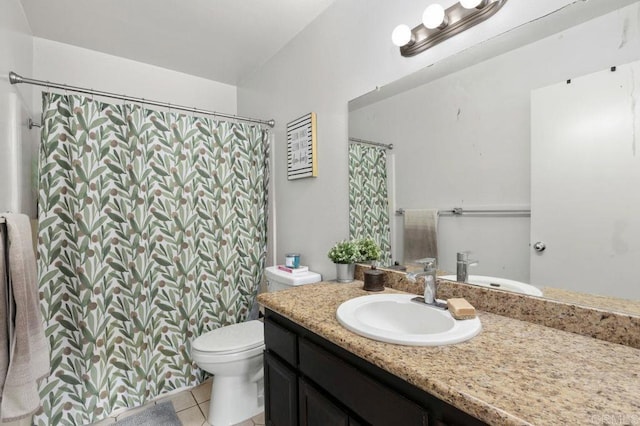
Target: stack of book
298 270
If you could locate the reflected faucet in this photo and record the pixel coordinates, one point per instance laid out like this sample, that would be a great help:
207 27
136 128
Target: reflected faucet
429 275
462 266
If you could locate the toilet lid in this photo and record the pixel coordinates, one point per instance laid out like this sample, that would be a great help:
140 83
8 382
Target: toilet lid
231 338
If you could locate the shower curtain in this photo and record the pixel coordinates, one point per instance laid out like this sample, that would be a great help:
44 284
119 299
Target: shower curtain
152 231
368 198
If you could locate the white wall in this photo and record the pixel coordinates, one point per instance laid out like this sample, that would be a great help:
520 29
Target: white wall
77 66
464 140
16 141
344 53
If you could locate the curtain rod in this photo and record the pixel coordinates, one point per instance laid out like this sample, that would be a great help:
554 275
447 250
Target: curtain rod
366 142
16 79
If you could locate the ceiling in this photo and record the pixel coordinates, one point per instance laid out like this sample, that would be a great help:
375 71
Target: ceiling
221 40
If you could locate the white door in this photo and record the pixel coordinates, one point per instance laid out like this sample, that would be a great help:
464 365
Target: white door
585 183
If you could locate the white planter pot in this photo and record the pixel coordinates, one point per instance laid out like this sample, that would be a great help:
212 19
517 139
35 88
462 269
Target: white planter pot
345 272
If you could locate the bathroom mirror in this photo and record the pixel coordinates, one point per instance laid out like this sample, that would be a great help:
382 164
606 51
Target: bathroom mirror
462 137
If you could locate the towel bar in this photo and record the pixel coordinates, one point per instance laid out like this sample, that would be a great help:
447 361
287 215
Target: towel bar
459 211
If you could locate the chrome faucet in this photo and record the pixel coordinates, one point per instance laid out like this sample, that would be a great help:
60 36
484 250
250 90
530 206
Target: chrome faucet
462 266
429 275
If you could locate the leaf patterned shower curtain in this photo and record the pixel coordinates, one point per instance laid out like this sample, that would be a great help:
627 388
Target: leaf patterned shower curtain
152 231
368 198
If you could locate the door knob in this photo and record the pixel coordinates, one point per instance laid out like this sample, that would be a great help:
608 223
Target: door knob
539 246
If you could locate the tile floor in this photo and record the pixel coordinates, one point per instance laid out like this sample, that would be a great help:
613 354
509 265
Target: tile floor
192 408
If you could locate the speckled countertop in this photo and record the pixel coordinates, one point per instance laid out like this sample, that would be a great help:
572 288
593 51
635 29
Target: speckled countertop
513 373
602 302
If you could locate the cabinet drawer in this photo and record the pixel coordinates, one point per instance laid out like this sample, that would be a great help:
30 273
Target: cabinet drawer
367 398
281 341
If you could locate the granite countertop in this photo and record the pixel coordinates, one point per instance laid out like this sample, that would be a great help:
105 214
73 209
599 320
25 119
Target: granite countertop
601 302
512 373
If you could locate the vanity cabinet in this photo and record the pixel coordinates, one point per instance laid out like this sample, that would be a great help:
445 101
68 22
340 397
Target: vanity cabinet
311 381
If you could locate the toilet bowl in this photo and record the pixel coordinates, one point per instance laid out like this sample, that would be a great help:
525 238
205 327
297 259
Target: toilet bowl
233 354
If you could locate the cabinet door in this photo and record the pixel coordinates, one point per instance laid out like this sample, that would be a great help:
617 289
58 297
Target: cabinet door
317 410
281 392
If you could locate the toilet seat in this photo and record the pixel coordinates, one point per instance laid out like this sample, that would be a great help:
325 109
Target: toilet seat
232 339
202 357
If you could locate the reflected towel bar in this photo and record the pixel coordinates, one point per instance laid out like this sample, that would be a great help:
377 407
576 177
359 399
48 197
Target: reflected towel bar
366 142
459 211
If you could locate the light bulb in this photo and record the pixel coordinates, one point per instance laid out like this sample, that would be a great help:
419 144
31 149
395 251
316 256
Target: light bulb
473 4
401 35
434 17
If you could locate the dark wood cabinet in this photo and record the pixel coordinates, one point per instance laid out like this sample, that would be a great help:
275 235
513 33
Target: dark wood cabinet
310 381
281 392
373 402
318 410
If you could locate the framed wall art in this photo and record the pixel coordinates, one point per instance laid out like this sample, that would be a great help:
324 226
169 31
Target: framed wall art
302 161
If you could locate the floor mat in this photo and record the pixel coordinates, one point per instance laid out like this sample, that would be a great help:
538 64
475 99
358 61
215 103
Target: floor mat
161 414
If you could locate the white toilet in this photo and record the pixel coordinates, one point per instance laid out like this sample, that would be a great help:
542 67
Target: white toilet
233 354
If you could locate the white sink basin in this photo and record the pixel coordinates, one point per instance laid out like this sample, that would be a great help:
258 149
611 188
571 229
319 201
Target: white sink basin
394 318
499 283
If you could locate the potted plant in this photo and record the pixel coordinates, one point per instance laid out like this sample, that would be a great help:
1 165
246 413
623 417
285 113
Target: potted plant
345 254
368 250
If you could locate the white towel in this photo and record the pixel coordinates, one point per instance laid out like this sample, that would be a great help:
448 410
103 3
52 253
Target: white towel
29 350
420 234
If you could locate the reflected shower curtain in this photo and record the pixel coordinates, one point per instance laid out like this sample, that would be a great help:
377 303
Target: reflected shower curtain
368 198
152 231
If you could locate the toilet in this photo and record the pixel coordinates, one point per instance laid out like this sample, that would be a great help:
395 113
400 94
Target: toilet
233 354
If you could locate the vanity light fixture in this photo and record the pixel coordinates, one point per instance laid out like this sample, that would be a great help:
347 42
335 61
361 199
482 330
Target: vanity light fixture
439 24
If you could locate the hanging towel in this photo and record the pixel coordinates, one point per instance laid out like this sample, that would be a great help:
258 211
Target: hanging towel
28 350
4 310
420 234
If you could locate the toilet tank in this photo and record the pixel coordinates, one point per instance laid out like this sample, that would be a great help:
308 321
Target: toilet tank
280 280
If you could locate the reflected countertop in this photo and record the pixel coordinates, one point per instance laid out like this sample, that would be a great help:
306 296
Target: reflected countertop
585 299
513 373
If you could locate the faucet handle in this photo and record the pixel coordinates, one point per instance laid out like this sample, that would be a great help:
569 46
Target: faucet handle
428 262
463 256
